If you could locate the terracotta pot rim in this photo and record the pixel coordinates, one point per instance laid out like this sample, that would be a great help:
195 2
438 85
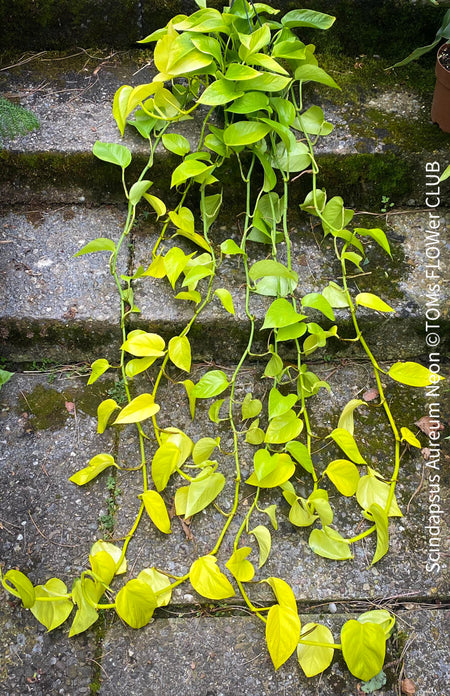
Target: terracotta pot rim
442 74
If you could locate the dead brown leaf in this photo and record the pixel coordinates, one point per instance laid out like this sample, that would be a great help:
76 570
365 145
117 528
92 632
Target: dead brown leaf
371 394
425 422
425 453
70 406
408 687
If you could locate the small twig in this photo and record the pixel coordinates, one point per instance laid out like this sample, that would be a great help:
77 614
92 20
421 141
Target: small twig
68 546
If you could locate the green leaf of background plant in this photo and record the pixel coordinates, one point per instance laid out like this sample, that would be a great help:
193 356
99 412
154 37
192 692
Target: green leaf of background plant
314 659
280 313
52 614
413 374
208 580
174 142
363 648
307 18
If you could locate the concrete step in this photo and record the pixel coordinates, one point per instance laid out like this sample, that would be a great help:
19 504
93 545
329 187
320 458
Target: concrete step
66 310
390 29
382 138
47 526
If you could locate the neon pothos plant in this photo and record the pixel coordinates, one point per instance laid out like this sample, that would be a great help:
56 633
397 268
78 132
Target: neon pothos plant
253 68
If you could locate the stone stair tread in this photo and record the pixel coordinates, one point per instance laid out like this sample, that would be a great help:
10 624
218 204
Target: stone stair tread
75 110
66 309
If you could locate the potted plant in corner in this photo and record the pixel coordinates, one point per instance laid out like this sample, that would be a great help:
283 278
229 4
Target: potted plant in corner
440 109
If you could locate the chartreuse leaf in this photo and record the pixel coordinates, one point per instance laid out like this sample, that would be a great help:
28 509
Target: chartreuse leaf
139 409
138 365
280 313
158 583
157 511
114 551
95 467
300 514
98 368
120 104
176 143
335 295
180 352
347 443
226 299
282 633
314 659
144 345
363 648
165 461
377 235
99 244
301 454
17 584
344 475
264 539
279 404
409 437
271 512
208 580
230 247
157 204
104 411
211 384
191 295
180 500
413 374
203 490
281 469
188 169
284 428
135 603
283 592
221 91
306 73
113 153
368 299
346 417
250 407
51 614
203 449
274 367
328 543
382 527
103 568
84 593
245 132
378 616
319 502
255 435
371 490
214 411
5 376
190 386
316 300
177 437
137 191
239 566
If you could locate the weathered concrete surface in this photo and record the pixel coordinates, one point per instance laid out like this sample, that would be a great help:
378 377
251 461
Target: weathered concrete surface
66 309
401 573
204 656
401 281
73 100
47 525
56 307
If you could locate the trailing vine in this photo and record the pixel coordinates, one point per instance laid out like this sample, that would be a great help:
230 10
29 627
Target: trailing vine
251 68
